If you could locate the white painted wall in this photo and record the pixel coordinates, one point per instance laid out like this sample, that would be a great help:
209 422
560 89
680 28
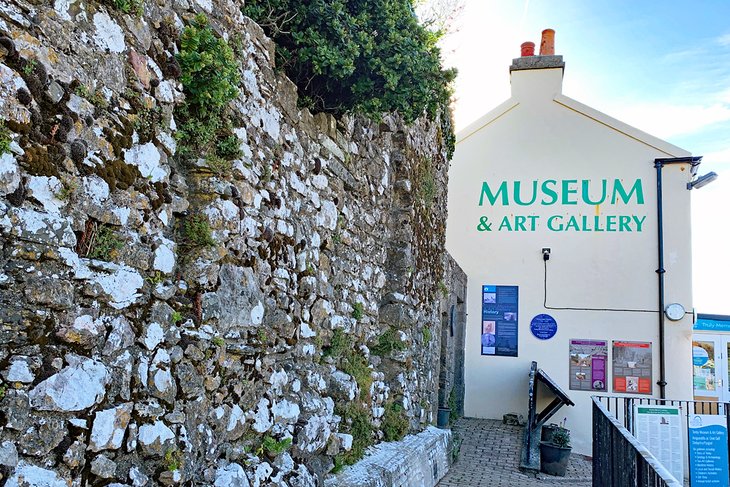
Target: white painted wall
540 134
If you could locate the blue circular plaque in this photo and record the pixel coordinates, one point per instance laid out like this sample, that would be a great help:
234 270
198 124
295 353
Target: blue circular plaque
700 356
544 327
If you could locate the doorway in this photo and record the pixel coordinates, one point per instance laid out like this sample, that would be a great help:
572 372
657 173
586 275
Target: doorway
710 379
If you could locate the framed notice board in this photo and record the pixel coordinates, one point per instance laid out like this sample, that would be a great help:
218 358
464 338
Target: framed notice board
632 364
499 320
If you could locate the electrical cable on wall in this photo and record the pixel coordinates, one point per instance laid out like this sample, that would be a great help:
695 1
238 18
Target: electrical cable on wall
546 257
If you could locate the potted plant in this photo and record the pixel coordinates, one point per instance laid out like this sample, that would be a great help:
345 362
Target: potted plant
554 454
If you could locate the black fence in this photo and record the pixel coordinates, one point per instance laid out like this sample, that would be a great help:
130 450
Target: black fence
619 460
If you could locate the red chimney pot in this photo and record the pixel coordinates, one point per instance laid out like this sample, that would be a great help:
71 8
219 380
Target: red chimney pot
528 49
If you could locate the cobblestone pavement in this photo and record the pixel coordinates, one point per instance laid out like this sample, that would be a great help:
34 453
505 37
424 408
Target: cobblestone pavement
490 457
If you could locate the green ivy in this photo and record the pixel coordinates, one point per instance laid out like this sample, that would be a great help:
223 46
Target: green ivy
368 56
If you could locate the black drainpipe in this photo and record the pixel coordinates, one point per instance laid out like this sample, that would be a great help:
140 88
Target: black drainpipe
659 164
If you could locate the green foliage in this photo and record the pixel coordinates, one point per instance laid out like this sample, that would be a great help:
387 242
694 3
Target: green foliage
357 311
105 243
155 279
561 438
218 165
339 343
209 71
145 121
209 74
453 412
356 422
426 187
387 343
128 6
29 67
426 335
273 447
456 448
3 390
173 459
4 138
228 147
352 361
444 290
355 364
68 188
96 98
369 56
196 232
176 317
262 336
395 422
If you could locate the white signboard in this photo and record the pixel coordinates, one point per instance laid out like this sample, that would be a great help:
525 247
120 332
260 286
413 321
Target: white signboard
659 428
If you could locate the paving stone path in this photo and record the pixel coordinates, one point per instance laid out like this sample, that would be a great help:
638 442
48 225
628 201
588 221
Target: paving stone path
490 457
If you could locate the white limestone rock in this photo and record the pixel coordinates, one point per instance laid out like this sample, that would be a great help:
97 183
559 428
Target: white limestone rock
77 387
164 260
8 454
27 475
262 417
9 174
108 34
231 475
153 336
19 371
261 474
155 438
44 190
147 159
109 426
285 412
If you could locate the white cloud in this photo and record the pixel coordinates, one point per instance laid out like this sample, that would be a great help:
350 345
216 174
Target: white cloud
724 40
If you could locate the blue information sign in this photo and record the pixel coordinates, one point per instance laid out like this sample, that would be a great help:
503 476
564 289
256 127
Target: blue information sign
544 327
499 320
708 459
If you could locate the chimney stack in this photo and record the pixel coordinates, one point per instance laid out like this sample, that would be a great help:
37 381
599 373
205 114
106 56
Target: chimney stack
547 45
547 58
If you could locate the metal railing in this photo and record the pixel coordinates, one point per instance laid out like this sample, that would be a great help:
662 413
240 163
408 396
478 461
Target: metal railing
619 460
622 408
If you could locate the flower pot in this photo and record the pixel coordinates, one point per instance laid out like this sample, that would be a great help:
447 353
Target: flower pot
554 459
442 418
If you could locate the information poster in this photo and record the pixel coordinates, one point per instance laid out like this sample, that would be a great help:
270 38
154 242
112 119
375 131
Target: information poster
708 459
659 428
499 320
588 360
632 367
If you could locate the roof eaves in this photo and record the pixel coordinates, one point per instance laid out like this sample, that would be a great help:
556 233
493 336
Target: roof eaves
621 127
486 120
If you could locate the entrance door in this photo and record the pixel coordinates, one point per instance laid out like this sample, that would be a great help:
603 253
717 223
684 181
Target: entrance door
710 367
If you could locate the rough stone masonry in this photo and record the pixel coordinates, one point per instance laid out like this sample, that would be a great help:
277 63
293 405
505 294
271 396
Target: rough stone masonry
131 357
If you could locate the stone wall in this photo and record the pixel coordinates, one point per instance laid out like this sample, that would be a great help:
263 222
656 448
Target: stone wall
165 322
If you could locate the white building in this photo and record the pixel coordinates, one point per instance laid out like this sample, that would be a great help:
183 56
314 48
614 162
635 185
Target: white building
543 171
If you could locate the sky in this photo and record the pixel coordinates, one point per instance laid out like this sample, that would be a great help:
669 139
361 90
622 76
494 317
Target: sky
660 66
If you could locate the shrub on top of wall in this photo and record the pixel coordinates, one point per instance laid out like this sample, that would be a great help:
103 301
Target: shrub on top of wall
370 56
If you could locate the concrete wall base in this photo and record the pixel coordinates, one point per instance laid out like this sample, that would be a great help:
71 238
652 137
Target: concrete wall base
417 460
